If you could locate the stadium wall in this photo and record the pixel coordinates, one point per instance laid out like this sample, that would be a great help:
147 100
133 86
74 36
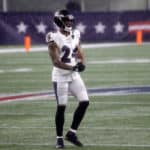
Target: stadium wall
95 27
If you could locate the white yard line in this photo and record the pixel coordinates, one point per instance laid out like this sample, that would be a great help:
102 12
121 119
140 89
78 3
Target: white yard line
91 128
15 70
89 115
119 115
121 93
120 145
45 48
120 103
120 61
91 144
92 102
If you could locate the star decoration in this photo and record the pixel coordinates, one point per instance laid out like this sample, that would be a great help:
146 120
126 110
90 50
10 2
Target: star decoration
118 27
41 28
81 27
100 28
22 28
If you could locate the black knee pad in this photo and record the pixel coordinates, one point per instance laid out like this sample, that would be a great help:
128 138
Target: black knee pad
84 104
61 108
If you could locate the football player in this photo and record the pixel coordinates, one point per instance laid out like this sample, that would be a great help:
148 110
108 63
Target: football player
68 60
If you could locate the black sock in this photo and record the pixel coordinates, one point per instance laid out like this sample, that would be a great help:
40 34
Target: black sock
79 114
59 120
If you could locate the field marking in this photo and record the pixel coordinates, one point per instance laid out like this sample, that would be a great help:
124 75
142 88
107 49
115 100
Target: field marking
119 145
91 128
85 46
120 61
139 114
2 71
92 102
114 61
44 48
91 91
100 145
120 103
120 115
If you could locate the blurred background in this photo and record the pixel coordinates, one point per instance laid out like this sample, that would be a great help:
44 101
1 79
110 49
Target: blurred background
79 5
115 36
98 20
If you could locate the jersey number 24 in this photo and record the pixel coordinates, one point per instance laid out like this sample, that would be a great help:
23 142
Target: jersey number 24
67 53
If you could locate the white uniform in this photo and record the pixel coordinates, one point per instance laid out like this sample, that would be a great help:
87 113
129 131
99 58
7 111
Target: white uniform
67 80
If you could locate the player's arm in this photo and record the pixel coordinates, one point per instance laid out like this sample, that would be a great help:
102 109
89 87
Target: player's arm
80 54
54 55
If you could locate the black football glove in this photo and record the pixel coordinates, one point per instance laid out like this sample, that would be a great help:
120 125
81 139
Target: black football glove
79 67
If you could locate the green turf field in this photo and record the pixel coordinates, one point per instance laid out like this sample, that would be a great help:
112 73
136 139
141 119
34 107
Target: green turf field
113 122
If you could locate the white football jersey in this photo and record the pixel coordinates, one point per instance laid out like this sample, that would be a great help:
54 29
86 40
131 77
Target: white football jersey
67 53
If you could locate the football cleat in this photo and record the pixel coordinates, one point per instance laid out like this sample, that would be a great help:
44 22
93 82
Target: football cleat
72 137
60 143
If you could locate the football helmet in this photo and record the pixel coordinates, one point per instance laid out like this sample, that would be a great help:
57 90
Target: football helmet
64 19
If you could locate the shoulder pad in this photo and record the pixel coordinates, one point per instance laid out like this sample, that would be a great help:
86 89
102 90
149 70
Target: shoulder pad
77 33
49 37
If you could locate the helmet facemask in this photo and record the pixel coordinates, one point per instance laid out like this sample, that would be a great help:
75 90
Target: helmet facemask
68 23
64 20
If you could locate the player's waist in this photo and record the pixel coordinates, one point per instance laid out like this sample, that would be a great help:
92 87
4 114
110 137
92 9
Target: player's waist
60 71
